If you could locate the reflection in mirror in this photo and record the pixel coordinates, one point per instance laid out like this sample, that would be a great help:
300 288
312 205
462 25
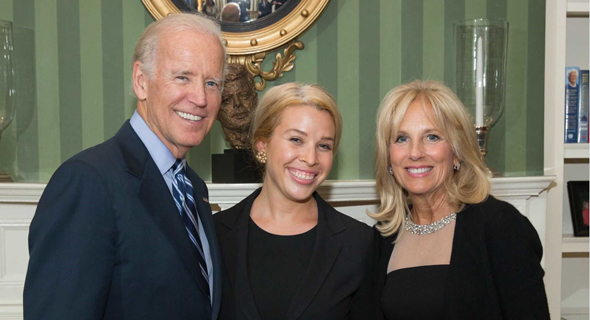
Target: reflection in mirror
244 11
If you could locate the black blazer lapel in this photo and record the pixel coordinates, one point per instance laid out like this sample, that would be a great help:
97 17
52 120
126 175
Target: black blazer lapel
235 245
157 199
204 211
325 252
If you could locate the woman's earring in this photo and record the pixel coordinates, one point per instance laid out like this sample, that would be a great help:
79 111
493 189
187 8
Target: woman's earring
457 166
390 170
261 157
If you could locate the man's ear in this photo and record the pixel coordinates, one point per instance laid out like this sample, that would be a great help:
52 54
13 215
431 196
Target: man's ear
139 81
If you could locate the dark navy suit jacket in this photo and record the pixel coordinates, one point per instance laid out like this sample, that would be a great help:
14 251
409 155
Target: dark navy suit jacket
107 241
265 9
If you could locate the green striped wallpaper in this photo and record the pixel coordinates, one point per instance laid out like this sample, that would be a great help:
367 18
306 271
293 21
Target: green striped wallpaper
73 66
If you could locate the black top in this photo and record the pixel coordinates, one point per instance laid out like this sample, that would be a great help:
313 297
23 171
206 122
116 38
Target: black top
495 270
276 265
337 281
415 293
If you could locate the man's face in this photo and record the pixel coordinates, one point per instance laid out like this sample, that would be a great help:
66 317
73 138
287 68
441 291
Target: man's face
573 77
239 101
180 101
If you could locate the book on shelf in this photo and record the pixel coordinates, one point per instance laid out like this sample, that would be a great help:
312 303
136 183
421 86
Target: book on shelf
583 108
572 99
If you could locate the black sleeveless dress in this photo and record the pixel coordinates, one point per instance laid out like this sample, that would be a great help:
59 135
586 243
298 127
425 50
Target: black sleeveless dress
415 293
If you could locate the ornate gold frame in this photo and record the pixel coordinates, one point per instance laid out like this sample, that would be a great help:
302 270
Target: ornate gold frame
250 48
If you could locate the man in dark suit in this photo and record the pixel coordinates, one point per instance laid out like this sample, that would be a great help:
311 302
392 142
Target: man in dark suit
192 4
264 8
124 230
278 4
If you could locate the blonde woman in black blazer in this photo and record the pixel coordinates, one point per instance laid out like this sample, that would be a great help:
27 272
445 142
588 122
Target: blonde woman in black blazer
448 250
287 254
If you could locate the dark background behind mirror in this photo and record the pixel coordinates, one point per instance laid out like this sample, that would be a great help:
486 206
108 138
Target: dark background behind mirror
257 24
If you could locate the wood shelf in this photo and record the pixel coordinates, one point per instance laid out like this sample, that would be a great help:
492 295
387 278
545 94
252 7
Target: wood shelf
576 150
571 244
576 8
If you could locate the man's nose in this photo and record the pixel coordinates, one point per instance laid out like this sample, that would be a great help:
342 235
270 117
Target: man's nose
236 101
198 95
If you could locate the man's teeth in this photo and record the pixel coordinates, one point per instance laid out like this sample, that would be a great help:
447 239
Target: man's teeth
188 116
419 170
302 175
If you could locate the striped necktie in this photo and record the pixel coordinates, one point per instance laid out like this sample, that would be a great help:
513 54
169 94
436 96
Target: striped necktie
182 191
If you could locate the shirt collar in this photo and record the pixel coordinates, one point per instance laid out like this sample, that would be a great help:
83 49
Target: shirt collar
161 155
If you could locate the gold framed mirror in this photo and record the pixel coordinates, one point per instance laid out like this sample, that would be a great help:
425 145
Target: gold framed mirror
248 43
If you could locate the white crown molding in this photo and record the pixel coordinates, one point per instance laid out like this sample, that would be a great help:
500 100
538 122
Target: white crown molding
16 192
333 191
520 186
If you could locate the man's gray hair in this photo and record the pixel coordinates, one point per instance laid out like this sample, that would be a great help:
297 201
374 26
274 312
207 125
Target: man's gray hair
146 50
572 71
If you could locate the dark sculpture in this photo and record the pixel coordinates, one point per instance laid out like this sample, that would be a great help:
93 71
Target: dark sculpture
237 165
238 104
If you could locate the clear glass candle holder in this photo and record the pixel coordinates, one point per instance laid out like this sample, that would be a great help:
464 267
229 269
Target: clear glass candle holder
494 45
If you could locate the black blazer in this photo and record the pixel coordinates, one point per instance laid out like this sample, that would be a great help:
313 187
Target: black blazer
265 9
107 241
495 270
336 284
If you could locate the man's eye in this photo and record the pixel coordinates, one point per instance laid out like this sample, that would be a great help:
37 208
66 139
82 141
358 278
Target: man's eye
211 84
182 78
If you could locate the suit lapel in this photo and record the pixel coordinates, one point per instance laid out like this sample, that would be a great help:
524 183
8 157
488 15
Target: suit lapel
157 199
235 245
324 254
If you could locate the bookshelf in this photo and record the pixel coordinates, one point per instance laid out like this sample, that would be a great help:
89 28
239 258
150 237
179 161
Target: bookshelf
575 155
566 256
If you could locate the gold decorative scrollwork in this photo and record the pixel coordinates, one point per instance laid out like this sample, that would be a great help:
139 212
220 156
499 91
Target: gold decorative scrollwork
281 64
249 48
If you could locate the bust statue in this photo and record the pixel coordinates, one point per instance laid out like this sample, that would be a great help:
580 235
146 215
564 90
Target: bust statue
239 100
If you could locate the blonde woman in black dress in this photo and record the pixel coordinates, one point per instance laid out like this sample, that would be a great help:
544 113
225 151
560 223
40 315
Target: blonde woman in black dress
449 250
287 253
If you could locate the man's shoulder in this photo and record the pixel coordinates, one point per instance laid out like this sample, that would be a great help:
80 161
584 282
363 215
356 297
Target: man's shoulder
93 165
104 154
113 152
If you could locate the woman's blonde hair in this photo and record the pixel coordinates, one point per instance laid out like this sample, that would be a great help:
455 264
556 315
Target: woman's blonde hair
470 184
267 115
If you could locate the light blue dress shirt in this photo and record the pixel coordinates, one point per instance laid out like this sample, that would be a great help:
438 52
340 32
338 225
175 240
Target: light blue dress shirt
164 160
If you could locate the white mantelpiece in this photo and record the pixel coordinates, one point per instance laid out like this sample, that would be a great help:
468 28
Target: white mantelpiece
228 194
